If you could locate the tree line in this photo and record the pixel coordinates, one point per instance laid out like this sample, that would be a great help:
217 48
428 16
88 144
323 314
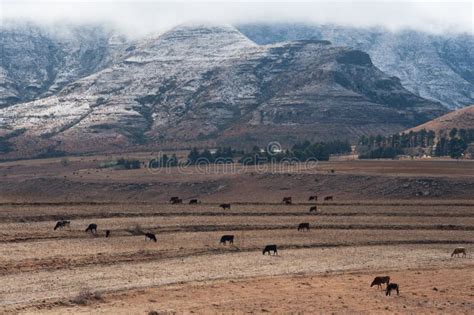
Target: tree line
452 142
300 152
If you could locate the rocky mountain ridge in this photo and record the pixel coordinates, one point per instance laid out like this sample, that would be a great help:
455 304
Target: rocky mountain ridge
38 61
434 66
210 84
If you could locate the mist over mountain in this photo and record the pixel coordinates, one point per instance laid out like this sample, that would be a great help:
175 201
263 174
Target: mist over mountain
434 66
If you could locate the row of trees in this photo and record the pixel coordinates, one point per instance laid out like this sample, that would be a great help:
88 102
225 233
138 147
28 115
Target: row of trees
451 142
300 152
221 155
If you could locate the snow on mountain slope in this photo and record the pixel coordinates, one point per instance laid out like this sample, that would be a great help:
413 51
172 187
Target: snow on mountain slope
38 61
211 83
437 67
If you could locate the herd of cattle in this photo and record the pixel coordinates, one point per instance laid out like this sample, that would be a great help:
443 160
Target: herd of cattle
378 281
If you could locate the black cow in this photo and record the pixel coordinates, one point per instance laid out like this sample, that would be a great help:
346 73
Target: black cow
313 209
459 250
390 287
314 197
173 199
225 206
176 201
92 228
327 198
62 224
193 202
269 248
303 226
150 236
227 238
107 233
287 200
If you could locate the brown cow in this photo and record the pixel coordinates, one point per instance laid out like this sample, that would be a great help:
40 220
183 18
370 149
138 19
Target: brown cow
378 281
313 209
287 200
193 202
459 250
327 198
314 197
177 201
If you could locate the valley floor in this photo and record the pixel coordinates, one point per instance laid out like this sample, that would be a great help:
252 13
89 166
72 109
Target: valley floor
376 225
440 290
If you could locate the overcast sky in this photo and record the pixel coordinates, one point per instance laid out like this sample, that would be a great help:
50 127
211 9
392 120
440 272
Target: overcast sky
147 16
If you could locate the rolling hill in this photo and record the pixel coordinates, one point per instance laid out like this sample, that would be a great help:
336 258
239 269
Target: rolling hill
461 119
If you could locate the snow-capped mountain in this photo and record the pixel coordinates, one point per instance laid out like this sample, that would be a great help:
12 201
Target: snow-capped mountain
211 83
437 67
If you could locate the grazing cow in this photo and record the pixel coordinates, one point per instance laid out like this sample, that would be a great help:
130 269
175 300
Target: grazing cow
303 226
378 281
150 236
313 209
314 197
287 200
176 201
390 287
269 248
59 225
225 206
327 198
107 233
193 202
459 250
173 199
92 228
227 238
62 224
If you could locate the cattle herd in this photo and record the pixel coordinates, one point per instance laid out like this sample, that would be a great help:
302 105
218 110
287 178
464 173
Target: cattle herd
272 248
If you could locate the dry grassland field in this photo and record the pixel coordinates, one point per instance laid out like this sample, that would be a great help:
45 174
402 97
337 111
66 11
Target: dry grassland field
397 218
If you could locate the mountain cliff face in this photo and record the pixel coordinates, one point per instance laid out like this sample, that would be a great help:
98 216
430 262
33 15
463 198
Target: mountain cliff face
437 67
37 62
211 84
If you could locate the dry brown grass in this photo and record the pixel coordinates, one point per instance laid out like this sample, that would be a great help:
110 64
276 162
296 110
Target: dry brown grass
368 234
86 296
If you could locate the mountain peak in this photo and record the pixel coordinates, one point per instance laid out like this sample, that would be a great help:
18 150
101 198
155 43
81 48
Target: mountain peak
188 42
210 34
